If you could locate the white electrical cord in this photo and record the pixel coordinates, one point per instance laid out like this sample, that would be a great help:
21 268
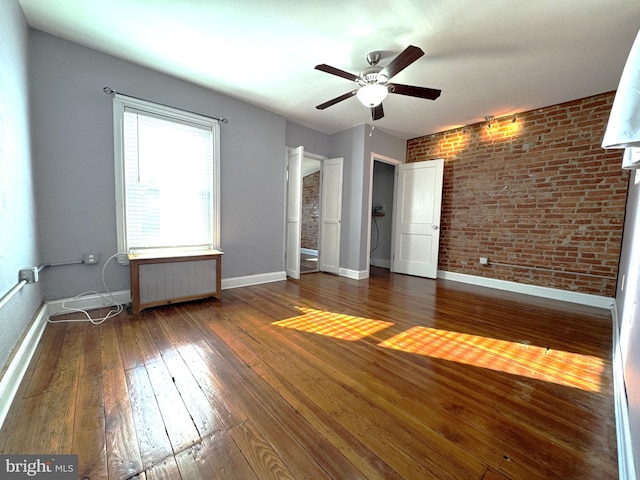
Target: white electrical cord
96 321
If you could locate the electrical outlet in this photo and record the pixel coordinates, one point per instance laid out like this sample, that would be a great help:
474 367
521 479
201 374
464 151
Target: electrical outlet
484 261
91 258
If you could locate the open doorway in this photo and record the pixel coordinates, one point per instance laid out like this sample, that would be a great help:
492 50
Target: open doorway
310 215
381 232
329 217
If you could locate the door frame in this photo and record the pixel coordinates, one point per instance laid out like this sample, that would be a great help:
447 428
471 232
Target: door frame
292 263
285 186
395 163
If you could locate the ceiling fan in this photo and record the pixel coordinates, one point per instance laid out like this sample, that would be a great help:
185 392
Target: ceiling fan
374 83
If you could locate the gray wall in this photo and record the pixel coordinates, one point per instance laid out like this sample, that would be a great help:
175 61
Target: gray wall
349 144
357 147
627 299
18 244
312 140
73 156
384 144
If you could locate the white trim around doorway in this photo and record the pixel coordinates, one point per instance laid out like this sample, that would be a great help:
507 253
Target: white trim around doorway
383 159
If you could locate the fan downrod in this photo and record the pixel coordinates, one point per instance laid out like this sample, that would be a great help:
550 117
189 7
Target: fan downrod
373 58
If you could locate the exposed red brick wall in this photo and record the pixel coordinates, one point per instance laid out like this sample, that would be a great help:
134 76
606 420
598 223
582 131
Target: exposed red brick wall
310 211
539 193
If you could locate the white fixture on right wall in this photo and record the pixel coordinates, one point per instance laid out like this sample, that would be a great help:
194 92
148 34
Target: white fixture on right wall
623 129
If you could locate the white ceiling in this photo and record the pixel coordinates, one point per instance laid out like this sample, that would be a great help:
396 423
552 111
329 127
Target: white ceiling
489 57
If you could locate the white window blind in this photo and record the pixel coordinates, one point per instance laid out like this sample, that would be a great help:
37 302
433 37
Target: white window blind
167 177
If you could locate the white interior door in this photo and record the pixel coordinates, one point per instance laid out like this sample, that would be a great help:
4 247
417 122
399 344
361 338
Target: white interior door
330 215
417 218
294 212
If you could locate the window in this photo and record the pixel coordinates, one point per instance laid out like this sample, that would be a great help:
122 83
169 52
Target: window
167 177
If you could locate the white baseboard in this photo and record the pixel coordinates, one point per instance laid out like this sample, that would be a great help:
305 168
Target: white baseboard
355 274
20 362
91 302
88 302
249 280
535 290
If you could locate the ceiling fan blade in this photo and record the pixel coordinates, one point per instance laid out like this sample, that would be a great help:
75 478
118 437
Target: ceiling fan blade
402 61
413 91
377 112
324 105
336 71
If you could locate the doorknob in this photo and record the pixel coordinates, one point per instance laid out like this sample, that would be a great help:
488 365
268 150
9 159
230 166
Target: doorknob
435 227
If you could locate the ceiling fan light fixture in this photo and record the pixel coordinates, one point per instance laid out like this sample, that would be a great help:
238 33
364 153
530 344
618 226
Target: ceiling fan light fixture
372 95
372 83
382 78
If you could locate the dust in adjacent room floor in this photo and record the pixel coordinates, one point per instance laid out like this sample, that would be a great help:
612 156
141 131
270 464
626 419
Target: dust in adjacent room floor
308 263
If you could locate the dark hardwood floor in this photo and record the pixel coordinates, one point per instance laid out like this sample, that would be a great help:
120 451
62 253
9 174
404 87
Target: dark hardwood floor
328 378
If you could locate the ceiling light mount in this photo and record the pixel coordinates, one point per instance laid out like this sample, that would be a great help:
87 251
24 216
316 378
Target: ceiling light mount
373 58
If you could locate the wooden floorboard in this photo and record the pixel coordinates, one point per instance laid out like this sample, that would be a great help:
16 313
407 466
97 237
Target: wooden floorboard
123 449
393 377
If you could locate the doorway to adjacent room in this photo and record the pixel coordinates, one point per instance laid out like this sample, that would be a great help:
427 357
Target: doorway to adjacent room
310 215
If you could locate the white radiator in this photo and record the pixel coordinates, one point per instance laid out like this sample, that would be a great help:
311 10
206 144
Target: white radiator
167 281
160 280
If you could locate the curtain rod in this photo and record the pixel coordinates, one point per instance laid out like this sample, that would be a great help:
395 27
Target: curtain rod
110 91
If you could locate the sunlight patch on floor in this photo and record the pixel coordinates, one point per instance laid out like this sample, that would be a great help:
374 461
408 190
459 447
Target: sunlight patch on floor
516 358
563 368
336 325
